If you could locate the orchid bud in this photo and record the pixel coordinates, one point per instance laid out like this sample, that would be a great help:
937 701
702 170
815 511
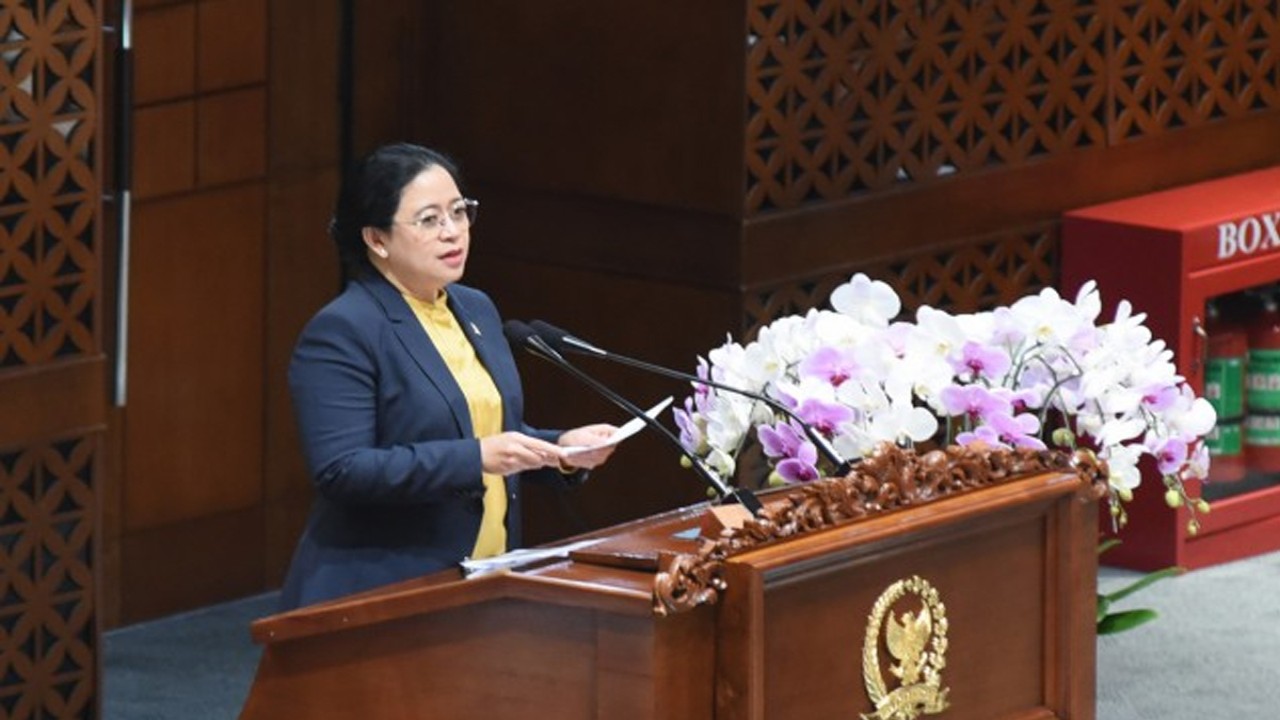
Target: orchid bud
1202 506
1193 527
1063 437
1125 494
685 462
1173 498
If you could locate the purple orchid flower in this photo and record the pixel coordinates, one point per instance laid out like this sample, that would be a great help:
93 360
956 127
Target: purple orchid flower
1006 431
977 360
973 401
703 394
798 470
781 441
690 434
1170 454
1158 397
823 416
799 458
983 434
1024 399
830 364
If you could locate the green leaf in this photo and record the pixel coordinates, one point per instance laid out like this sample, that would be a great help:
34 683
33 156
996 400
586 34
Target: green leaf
1104 605
1108 544
1126 620
1142 582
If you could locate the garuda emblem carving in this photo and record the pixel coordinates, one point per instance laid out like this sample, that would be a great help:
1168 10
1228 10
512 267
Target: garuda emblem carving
917 642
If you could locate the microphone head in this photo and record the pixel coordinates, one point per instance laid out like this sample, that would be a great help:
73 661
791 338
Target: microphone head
517 333
563 341
520 335
553 335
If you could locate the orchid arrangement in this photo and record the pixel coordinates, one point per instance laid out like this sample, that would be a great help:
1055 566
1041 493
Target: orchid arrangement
1042 372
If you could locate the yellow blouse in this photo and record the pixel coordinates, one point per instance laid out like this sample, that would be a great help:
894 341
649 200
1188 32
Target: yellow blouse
484 403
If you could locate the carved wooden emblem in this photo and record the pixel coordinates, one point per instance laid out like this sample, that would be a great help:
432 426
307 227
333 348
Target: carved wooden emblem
917 643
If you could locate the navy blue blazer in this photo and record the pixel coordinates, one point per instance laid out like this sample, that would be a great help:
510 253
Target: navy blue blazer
388 442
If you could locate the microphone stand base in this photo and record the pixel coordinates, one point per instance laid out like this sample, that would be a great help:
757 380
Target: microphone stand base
736 508
718 518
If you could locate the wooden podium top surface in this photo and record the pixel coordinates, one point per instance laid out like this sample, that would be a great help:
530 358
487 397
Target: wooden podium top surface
616 573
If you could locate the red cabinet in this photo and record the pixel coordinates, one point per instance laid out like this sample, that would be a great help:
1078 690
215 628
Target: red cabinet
1172 254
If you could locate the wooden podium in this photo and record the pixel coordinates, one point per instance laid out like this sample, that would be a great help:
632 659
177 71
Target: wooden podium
1007 571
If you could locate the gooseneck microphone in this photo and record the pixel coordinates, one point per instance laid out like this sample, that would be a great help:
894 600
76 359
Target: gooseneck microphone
561 341
521 335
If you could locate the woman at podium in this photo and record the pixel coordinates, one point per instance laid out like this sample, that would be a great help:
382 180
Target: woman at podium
407 397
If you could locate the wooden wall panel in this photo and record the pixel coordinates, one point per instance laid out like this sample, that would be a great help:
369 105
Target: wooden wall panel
304 276
189 564
165 161
164 41
231 43
43 401
578 97
231 141
194 438
237 152
303 166
51 363
389 71
303 90
190 441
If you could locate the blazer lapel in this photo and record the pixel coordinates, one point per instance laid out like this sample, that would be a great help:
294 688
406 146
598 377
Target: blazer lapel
486 352
419 346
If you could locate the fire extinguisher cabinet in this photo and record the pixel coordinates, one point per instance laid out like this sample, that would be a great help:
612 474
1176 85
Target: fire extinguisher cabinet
1169 253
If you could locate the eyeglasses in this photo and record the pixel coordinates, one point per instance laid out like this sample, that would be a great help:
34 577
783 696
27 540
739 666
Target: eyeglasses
462 214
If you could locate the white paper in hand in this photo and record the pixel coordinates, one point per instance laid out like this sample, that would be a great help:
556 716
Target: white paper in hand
630 428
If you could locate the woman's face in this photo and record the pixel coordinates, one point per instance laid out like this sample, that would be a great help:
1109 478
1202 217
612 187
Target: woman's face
426 247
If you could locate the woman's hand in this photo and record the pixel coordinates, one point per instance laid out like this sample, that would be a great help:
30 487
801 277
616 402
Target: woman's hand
513 452
586 436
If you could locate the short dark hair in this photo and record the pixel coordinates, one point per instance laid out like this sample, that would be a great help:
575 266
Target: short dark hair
370 196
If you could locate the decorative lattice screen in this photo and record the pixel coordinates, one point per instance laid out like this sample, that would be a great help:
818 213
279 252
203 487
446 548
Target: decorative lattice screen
858 96
851 99
49 290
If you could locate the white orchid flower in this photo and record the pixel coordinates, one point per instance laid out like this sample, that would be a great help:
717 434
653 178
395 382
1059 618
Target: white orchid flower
1114 432
1190 417
936 333
1088 302
832 329
1112 384
722 462
868 301
1122 461
902 420
1048 319
854 442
